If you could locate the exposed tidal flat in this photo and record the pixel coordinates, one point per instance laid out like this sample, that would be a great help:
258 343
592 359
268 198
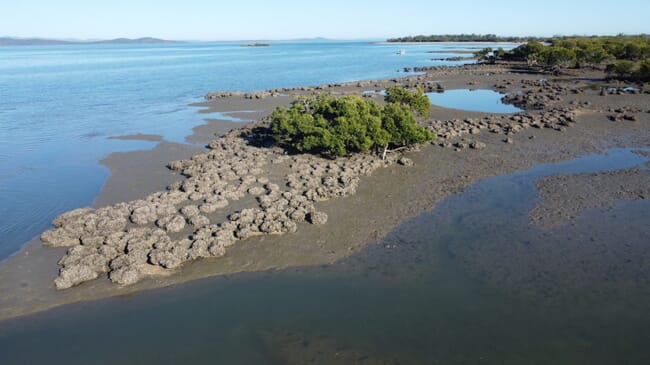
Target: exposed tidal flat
462 283
469 281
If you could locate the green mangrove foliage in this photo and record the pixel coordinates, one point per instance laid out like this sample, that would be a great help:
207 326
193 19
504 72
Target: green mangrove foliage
418 101
488 55
557 56
335 127
628 70
624 56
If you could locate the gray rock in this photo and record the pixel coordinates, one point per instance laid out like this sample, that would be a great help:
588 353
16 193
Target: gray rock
163 210
199 249
59 237
92 240
181 249
477 145
71 216
74 275
247 231
317 218
208 208
217 249
271 227
190 211
225 235
271 187
127 275
256 190
164 258
290 226
109 224
199 221
298 215
144 215
174 223
405 162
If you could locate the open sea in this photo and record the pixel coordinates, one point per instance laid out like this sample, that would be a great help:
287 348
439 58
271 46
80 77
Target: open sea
59 105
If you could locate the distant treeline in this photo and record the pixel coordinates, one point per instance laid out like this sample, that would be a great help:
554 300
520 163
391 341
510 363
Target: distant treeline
624 57
465 38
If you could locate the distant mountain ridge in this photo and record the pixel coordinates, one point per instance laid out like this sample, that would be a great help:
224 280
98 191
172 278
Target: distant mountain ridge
11 41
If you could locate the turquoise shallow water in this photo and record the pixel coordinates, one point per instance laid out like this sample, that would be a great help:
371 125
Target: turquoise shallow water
58 105
470 282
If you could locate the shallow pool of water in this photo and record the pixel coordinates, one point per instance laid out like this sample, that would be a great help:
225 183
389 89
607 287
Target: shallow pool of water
478 100
469 282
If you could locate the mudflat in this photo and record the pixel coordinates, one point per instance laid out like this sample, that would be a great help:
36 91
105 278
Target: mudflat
361 199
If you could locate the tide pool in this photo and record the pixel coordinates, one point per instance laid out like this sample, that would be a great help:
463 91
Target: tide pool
479 100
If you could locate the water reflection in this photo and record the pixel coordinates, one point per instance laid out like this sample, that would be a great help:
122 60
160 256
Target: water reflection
487 101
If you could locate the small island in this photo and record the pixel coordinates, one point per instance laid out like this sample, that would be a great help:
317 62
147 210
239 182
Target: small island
256 45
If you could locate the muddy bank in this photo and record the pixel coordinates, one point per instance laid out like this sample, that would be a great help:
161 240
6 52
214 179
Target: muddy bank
136 174
139 137
296 348
381 201
564 197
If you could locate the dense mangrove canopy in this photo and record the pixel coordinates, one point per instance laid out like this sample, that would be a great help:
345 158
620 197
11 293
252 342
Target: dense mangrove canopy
337 126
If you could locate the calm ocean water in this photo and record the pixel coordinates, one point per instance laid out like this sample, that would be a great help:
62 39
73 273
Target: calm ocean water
59 104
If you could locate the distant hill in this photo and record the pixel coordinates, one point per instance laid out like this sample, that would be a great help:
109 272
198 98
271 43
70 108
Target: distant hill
145 40
6 41
9 41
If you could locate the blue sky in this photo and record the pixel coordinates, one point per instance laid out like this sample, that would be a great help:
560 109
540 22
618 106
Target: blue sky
339 19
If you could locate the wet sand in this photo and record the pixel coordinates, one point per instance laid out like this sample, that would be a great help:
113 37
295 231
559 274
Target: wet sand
383 200
564 197
139 137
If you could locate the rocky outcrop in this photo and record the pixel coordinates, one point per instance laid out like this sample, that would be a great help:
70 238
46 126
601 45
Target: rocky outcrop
623 114
222 94
195 219
538 94
317 218
131 240
448 131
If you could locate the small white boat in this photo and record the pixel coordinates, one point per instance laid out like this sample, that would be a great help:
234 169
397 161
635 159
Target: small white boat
401 52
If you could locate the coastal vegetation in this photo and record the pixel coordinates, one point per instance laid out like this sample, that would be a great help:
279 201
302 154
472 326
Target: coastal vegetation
463 38
335 127
622 57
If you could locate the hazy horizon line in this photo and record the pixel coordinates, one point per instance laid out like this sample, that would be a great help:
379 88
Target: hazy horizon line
377 38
